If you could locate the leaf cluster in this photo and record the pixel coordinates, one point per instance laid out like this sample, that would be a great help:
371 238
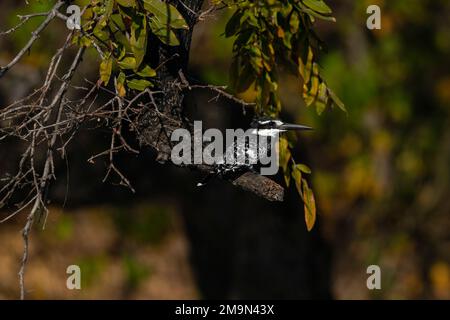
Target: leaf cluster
274 33
120 29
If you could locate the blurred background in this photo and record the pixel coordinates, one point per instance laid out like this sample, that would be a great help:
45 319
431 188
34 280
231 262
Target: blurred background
381 176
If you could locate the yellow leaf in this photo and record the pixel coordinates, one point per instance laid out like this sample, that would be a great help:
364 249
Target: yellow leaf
121 90
280 32
309 206
305 69
311 94
105 70
120 86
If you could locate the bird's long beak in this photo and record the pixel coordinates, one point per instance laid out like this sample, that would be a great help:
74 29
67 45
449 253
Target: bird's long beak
289 126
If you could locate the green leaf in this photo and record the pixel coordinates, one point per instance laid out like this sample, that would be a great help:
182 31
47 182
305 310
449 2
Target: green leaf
127 63
100 32
249 18
109 7
303 168
313 14
287 40
105 70
122 39
127 3
127 12
294 22
233 24
147 72
166 14
166 35
322 98
117 23
139 84
85 42
310 94
306 68
318 6
138 39
102 35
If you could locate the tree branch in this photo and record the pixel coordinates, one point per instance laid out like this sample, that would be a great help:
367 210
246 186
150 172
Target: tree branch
164 112
35 35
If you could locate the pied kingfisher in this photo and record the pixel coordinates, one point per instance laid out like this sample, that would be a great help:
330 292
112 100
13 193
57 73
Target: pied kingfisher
246 154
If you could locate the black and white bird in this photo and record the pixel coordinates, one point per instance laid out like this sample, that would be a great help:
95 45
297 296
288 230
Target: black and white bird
272 127
246 156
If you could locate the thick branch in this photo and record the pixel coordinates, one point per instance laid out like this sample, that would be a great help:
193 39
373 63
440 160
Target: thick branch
251 181
261 186
164 113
